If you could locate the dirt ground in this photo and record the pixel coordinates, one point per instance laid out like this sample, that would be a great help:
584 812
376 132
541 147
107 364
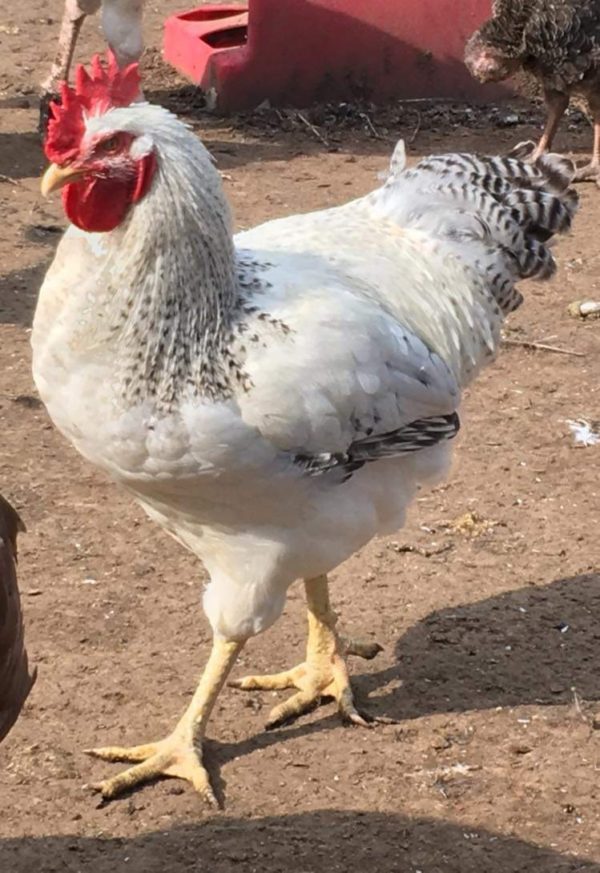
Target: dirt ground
491 660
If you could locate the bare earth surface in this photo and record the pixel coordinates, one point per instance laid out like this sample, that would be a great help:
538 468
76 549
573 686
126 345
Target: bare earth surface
487 604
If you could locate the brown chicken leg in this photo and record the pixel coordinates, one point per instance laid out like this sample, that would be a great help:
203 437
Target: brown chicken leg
556 103
591 172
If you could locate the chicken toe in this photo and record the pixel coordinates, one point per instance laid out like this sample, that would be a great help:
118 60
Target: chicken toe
591 172
588 173
315 680
176 756
324 673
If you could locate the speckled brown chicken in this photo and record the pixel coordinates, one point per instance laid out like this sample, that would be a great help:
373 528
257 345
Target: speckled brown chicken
558 41
15 678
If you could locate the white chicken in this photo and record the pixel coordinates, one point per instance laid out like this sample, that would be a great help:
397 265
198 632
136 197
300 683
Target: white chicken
272 399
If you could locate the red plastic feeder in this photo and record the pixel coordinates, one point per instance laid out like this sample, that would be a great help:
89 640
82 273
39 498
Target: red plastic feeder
297 52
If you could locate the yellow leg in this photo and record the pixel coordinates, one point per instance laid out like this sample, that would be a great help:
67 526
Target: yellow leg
324 672
180 753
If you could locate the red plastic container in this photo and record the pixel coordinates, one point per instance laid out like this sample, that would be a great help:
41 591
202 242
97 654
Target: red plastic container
296 52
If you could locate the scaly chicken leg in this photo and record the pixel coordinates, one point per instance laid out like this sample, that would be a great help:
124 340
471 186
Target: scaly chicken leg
556 103
179 754
324 672
591 172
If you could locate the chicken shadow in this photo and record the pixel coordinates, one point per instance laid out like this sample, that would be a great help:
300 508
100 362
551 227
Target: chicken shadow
319 841
529 646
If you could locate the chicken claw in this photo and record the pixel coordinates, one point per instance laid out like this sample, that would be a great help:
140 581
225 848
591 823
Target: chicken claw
323 674
588 173
174 756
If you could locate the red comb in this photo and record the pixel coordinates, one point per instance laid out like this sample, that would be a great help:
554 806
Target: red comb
94 93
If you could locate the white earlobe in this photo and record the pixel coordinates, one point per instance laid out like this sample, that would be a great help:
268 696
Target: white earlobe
141 146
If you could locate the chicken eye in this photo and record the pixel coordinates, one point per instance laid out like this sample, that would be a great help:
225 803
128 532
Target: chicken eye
109 145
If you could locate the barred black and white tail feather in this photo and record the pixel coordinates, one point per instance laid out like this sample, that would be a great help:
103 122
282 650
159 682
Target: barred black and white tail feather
504 210
541 214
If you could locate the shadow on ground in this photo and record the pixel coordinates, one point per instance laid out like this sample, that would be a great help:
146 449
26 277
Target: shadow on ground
529 646
21 155
18 293
318 842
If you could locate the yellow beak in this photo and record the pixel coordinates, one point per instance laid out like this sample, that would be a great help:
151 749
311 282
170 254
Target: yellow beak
55 177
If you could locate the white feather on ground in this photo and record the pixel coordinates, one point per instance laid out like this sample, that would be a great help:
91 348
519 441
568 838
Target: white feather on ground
585 433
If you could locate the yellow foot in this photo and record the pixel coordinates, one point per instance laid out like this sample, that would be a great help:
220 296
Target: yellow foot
322 675
174 756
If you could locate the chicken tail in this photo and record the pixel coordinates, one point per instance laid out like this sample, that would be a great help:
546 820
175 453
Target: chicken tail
499 212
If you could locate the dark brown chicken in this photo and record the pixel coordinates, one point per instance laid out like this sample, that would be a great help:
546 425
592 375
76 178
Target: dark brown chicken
15 679
558 41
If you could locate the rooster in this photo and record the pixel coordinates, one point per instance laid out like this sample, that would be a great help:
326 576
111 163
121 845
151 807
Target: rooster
558 41
273 399
15 678
122 26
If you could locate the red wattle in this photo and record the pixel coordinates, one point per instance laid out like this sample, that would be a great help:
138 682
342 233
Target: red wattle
99 204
